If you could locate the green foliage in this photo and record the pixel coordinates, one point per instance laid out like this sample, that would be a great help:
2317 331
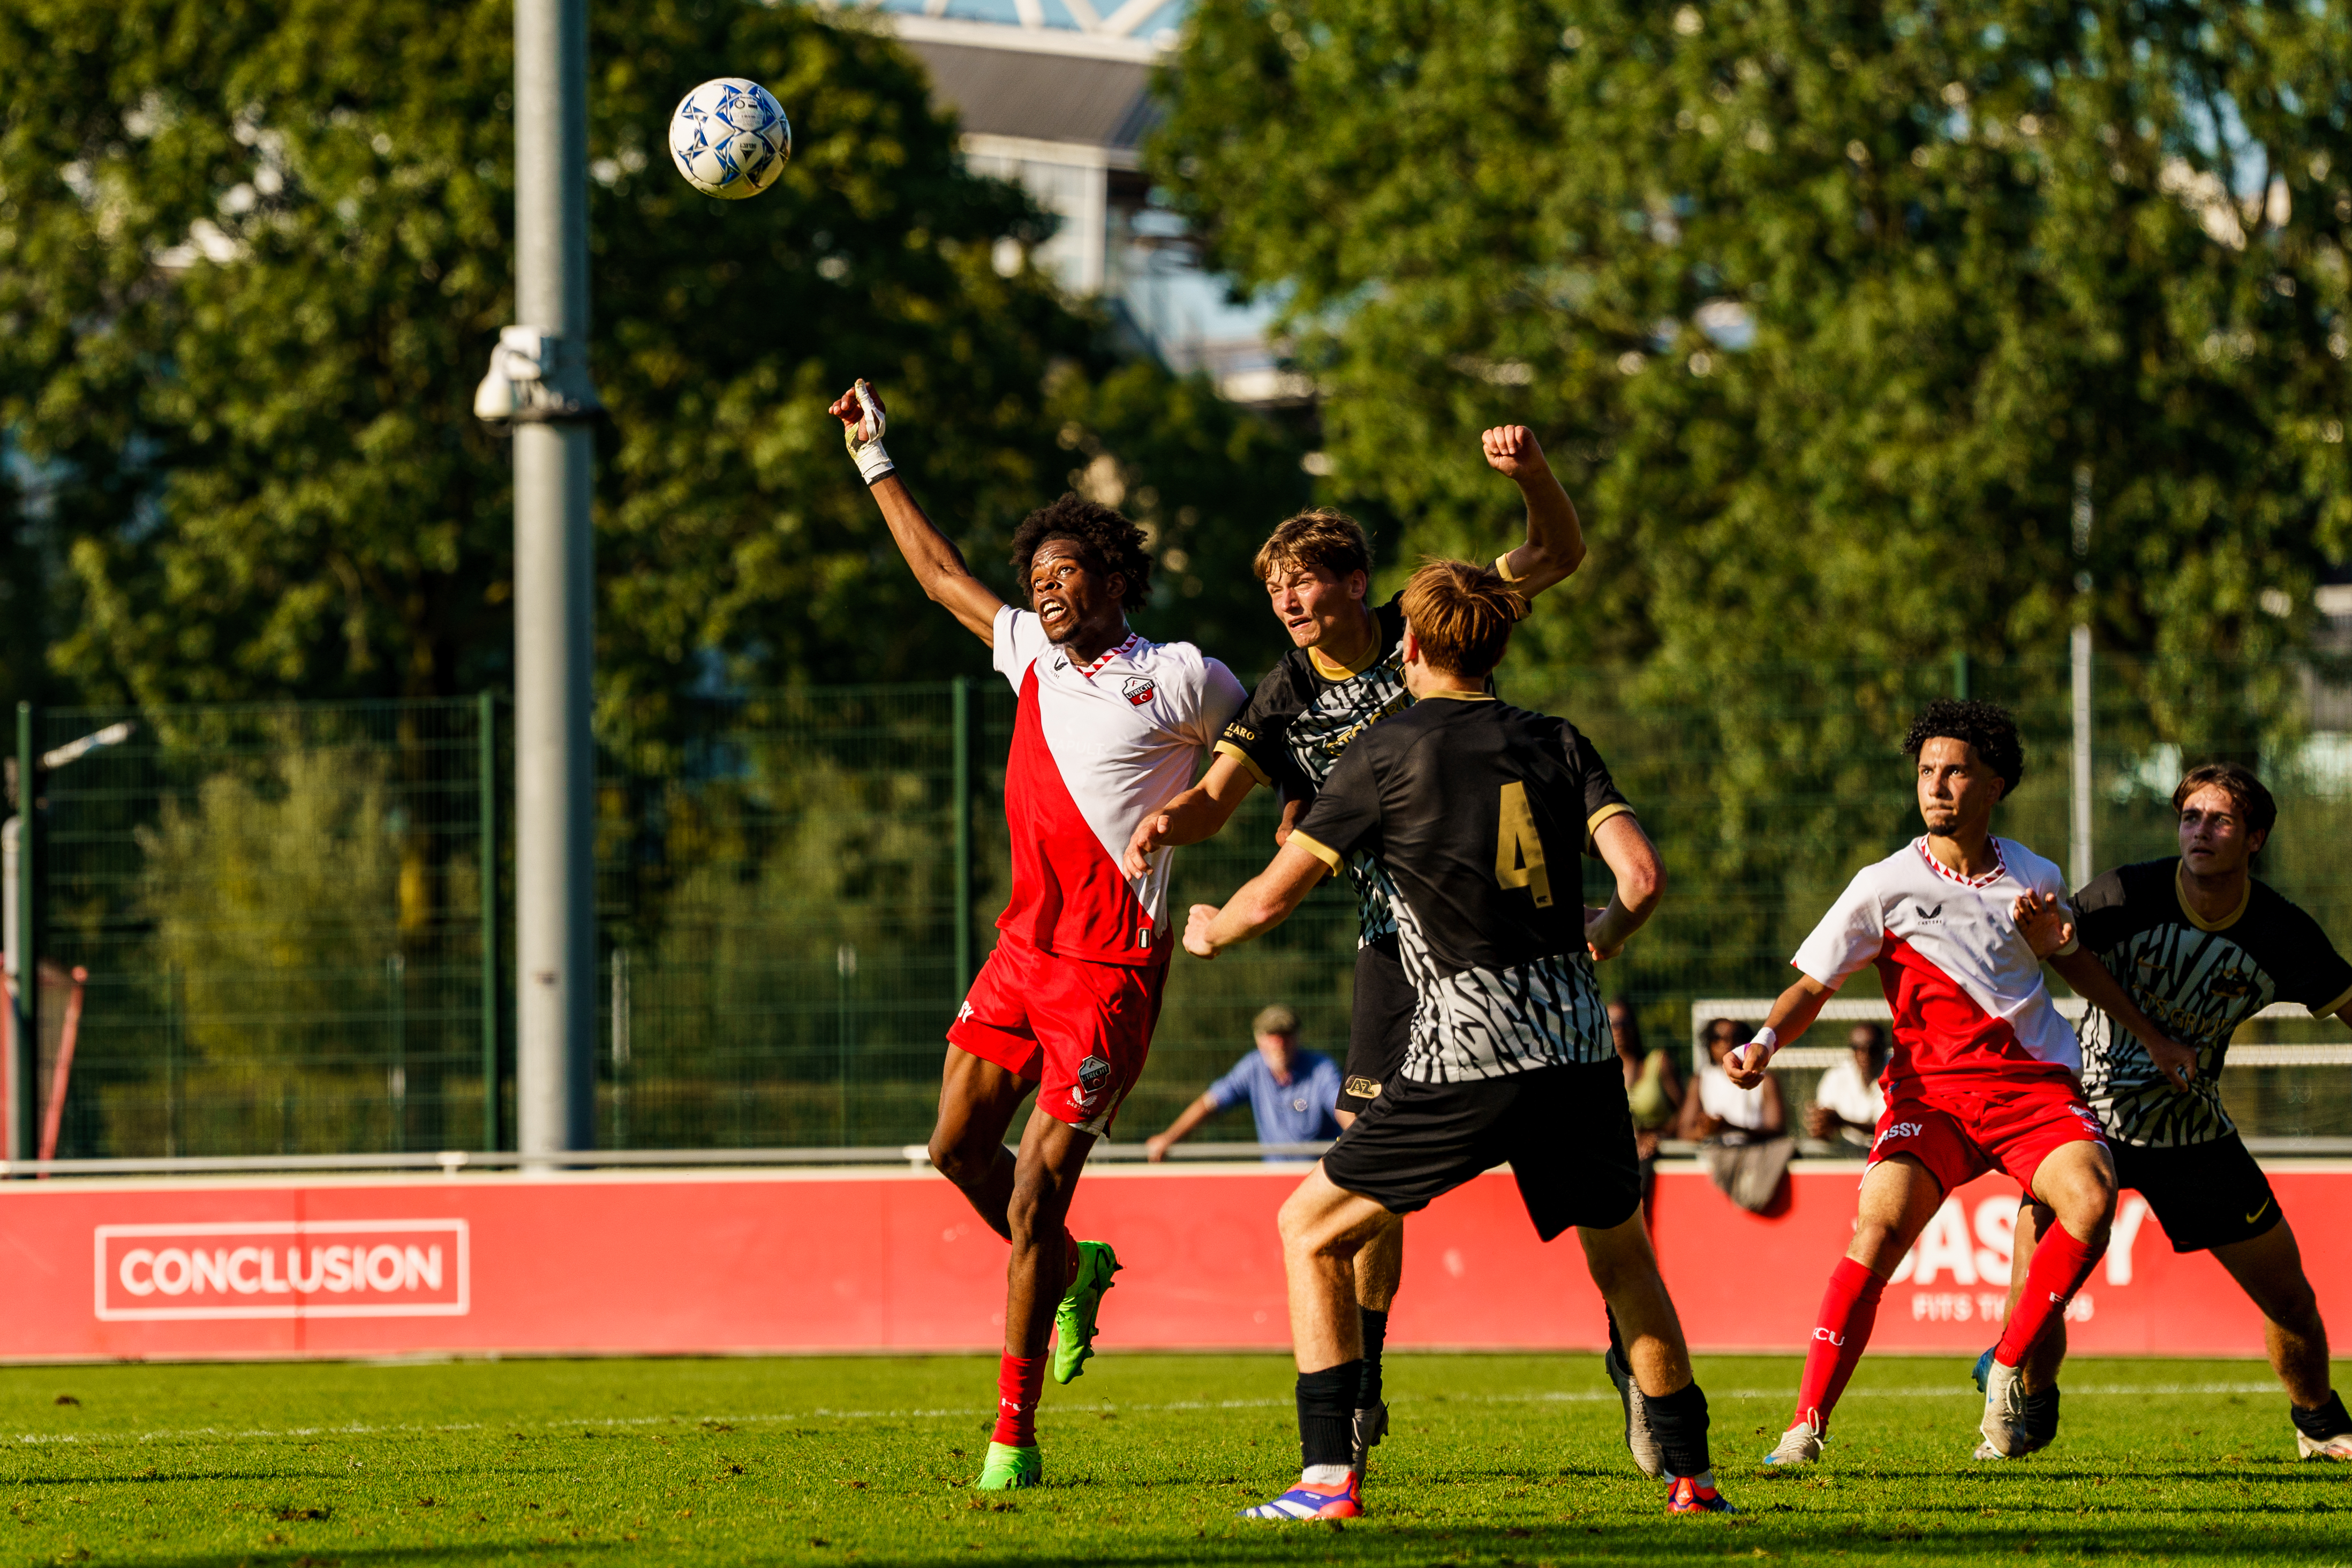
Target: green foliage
1980 248
277 899
252 256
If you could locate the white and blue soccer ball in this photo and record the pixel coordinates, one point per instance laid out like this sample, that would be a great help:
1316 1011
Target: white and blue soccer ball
729 138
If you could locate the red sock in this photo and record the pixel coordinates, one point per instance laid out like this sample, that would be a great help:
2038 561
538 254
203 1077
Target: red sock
2060 1265
1849 1309
1020 1379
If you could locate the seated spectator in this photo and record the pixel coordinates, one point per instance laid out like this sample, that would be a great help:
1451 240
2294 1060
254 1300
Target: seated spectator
1718 1112
1742 1133
1290 1092
1848 1102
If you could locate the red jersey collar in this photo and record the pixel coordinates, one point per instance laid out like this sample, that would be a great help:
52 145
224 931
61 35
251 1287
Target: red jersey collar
1094 669
2000 866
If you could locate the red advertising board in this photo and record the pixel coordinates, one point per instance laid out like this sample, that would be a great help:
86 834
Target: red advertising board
802 1260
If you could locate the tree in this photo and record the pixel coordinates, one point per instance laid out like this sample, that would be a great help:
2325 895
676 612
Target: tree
1828 315
1826 308
251 260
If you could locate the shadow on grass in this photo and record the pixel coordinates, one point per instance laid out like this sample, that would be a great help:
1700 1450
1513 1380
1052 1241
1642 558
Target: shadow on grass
1664 1542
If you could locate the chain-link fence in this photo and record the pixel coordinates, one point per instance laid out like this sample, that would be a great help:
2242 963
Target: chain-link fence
291 938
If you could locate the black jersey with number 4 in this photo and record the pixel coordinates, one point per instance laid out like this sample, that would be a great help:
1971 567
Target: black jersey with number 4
2198 983
1301 719
1476 811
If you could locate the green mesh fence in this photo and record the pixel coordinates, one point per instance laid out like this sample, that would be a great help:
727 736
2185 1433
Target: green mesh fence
281 917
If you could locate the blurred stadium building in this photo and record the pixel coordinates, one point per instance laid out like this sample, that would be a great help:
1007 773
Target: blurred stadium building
1057 95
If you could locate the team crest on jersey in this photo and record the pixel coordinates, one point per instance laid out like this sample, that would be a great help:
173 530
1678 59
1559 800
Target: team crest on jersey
1137 690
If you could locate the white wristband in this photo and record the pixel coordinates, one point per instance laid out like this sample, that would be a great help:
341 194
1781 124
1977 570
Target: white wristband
1768 1039
873 462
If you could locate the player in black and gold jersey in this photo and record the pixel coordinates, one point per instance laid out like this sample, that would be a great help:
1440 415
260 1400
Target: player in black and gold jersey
1344 673
1472 809
2200 946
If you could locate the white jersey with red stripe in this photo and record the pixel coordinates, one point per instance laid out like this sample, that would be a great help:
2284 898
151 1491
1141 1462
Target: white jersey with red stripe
1095 748
1963 982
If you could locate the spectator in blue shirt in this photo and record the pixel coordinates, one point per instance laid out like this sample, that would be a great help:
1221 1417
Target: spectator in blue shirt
1290 1092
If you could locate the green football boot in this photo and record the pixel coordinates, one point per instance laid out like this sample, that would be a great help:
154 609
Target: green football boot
1008 1467
1074 1320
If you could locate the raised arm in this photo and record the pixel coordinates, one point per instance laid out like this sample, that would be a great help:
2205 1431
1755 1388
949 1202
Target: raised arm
1555 546
1199 813
1628 853
1791 1016
937 564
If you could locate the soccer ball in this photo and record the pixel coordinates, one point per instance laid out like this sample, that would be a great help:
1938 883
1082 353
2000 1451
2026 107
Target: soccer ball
729 138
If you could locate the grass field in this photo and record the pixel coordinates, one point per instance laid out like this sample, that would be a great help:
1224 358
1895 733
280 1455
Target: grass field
1494 1459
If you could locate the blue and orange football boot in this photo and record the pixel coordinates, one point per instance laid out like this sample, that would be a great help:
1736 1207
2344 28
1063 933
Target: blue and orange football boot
1686 1496
1306 1501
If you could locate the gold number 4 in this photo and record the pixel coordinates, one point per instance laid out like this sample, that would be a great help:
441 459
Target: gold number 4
1518 848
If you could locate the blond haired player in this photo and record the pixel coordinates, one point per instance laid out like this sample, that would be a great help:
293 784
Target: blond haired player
1476 811
1344 673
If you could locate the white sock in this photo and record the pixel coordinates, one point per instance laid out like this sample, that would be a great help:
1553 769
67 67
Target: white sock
1324 1476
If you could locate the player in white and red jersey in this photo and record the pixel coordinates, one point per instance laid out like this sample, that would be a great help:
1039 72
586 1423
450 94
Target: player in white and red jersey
1985 1073
1109 726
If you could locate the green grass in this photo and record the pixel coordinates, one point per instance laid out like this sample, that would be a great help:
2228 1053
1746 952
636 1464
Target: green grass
1494 1459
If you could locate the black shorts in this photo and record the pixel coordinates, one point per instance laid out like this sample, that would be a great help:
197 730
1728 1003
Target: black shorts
2204 1194
1379 1025
1565 1131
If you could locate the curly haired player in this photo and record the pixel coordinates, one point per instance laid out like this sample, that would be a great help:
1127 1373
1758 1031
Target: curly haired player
1984 1072
1109 726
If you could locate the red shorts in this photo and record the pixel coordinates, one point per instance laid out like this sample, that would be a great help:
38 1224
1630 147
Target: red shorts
1078 1030
1960 1131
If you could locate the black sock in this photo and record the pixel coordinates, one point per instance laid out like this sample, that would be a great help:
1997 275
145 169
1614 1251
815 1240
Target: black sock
1679 1421
1327 1414
2041 1412
1376 1335
2327 1421
1616 1340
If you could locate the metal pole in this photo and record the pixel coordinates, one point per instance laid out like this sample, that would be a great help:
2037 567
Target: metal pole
844 965
621 1048
962 708
1961 673
2078 860
555 885
2080 864
487 800
24 1060
395 986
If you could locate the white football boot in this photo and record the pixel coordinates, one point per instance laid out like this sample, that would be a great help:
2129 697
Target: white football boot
2336 1448
2004 1426
1800 1445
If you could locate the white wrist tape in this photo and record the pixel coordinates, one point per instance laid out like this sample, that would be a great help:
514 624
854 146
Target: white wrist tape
1767 1038
863 438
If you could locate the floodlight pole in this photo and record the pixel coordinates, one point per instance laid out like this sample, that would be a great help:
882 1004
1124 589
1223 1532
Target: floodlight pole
555 953
2080 863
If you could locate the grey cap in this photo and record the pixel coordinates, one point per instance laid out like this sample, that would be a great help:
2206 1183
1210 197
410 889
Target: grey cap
1275 1020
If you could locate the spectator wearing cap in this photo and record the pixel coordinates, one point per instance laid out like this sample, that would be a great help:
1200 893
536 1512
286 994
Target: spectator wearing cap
1290 1092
